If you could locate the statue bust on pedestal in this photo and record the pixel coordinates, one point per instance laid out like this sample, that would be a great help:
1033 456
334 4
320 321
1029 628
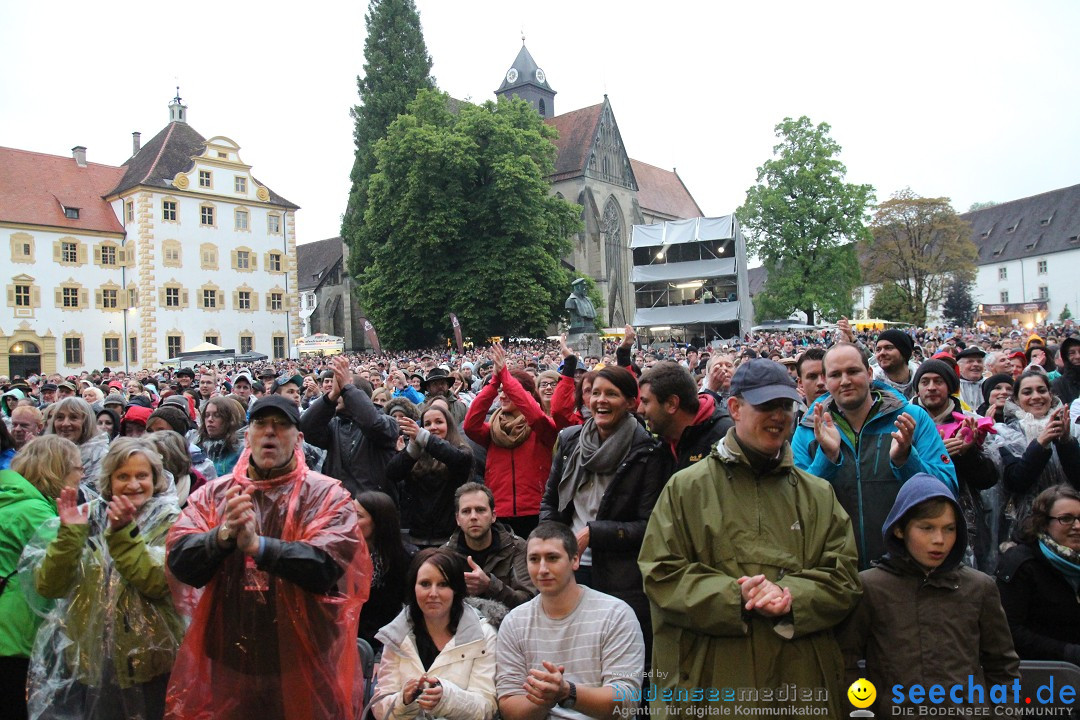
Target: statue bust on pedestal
581 335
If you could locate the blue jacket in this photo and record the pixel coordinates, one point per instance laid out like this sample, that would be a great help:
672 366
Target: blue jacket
867 486
409 393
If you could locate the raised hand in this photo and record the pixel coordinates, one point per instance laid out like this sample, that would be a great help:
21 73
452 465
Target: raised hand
69 509
408 427
564 349
826 433
629 336
902 438
121 512
476 580
498 357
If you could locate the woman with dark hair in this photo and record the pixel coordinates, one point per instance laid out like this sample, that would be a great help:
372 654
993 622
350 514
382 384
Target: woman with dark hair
996 391
221 435
1039 579
108 422
73 418
605 479
518 440
432 466
438 653
1035 447
390 557
1042 357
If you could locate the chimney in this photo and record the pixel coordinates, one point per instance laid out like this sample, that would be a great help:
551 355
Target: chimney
136 143
79 153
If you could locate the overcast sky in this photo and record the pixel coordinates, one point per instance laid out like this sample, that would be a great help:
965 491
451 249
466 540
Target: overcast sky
971 100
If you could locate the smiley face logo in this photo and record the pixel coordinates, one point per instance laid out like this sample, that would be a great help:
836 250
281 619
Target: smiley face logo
862 693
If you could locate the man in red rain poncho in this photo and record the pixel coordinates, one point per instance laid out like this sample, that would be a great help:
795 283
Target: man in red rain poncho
285 570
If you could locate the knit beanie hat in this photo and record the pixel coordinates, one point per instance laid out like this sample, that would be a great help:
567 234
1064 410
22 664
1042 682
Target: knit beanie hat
175 416
901 340
942 369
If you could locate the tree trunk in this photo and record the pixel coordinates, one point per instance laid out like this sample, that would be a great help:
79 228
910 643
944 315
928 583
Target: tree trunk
809 315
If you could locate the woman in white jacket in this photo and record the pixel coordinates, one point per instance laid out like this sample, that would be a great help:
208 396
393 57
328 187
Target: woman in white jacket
439 653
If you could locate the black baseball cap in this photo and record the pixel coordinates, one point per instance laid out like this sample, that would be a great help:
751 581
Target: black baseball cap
760 381
280 403
972 351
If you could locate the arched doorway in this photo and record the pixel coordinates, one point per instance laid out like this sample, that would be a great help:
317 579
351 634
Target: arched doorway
24 358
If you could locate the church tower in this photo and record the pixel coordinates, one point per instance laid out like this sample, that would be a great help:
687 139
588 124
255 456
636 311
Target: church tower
527 81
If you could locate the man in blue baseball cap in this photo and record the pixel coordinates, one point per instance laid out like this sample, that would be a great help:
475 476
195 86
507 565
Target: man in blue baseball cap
747 556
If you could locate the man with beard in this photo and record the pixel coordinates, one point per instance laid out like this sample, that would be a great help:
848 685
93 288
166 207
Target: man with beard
495 555
437 385
936 387
867 441
688 423
893 350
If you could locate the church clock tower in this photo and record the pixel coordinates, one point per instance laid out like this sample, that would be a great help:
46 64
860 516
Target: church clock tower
527 81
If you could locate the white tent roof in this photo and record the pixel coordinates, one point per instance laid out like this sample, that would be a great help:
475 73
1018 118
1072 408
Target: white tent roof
690 270
687 314
683 231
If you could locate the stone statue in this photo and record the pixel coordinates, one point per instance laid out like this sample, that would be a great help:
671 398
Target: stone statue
582 311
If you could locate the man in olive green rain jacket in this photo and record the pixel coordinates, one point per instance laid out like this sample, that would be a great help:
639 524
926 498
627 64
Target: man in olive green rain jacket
748 564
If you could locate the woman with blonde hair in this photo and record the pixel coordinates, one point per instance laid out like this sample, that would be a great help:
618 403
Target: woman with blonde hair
107 648
73 418
28 492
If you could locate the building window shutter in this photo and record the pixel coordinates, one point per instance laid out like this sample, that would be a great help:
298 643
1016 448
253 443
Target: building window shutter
57 251
253 258
59 297
84 298
98 299
80 253
97 254
236 299
35 296
254 300
121 256
183 298
234 262
11 295
161 297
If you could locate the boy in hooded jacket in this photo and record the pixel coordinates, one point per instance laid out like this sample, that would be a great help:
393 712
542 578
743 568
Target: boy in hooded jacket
924 618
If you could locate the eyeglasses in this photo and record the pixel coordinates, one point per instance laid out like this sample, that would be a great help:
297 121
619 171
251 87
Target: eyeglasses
1066 520
547 384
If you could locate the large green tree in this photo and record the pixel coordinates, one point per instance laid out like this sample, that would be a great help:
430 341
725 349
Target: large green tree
958 307
460 219
890 303
801 219
396 66
919 245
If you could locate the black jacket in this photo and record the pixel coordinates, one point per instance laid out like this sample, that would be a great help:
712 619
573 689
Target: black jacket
505 565
359 441
697 441
427 501
616 534
1067 387
1042 608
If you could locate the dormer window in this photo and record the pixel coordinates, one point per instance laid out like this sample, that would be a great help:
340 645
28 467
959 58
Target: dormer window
72 213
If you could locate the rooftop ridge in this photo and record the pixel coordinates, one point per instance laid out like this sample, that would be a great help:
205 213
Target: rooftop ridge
164 144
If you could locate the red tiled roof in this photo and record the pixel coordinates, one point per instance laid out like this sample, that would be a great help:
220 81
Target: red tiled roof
663 191
576 132
34 187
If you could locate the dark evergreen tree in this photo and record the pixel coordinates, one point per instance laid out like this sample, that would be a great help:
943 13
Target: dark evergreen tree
396 66
958 308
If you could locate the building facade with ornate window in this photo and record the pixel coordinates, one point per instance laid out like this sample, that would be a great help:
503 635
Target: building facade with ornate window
127 266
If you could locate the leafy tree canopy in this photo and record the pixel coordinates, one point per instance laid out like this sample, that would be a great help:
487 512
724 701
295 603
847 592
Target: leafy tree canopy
890 303
460 219
958 307
918 244
396 66
801 218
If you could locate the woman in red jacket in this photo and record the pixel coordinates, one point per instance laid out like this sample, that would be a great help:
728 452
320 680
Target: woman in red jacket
519 441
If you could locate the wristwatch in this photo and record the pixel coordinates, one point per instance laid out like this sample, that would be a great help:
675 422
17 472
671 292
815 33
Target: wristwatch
224 535
571 697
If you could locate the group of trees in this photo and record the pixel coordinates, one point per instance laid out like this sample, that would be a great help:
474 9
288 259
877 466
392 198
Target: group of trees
818 241
450 209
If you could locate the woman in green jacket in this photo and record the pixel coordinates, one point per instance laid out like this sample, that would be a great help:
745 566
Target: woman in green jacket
28 492
106 649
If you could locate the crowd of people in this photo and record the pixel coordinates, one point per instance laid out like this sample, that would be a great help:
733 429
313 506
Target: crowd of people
525 531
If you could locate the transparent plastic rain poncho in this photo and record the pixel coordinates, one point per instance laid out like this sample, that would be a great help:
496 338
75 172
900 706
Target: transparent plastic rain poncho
1014 435
260 646
113 628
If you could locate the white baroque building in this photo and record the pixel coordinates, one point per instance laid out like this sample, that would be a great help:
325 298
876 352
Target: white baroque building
127 266
1029 253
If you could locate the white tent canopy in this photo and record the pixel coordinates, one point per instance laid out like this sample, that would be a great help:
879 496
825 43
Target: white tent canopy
683 231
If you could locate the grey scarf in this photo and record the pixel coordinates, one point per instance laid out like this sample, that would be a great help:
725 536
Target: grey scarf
594 456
